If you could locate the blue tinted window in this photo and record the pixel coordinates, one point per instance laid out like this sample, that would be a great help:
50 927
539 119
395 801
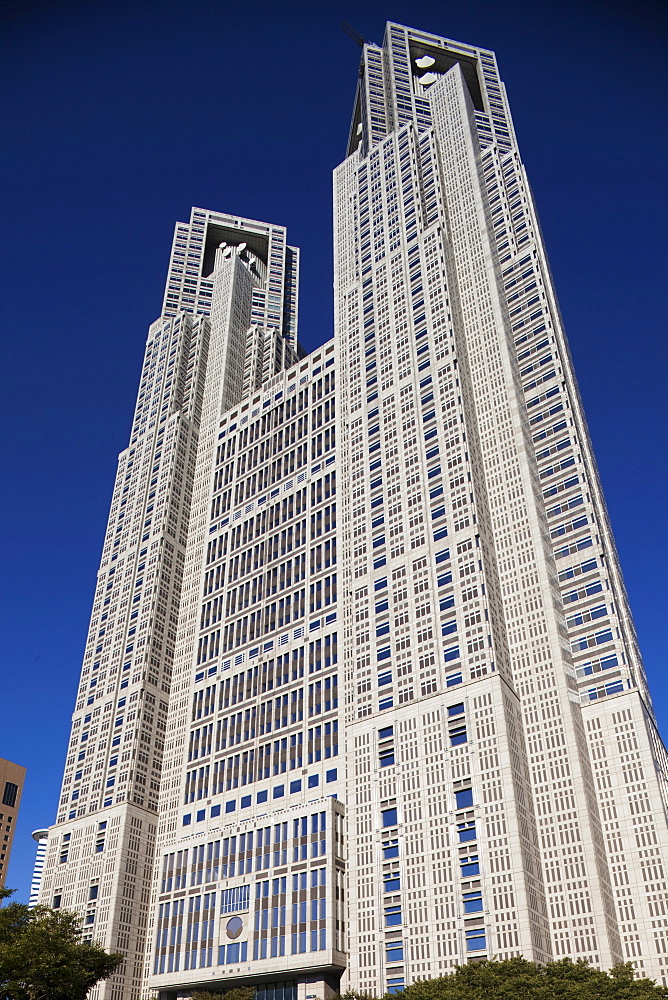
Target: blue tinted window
389 817
458 736
391 849
470 866
464 798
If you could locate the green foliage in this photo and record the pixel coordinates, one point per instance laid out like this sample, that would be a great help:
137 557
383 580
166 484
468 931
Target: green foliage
355 995
42 956
518 979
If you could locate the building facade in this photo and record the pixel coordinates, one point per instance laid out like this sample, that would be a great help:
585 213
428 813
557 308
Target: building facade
12 777
99 858
41 837
360 614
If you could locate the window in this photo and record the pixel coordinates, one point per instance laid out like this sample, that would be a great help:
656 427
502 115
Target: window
389 817
331 775
472 901
386 756
392 916
394 951
475 939
391 882
93 891
233 900
395 985
464 798
466 831
9 794
313 780
458 735
391 849
469 866
231 953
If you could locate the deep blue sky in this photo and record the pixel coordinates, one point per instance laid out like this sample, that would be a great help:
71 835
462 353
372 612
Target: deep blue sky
118 116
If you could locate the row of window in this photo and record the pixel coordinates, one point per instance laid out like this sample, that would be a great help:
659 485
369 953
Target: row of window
245 802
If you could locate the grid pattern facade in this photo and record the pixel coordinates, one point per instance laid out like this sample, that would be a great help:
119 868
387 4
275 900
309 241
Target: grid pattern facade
442 277
360 614
100 853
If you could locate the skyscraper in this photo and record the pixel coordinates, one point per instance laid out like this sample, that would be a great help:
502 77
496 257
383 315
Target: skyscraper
411 515
100 853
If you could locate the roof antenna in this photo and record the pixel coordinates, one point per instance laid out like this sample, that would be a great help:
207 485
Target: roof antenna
351 33
357 38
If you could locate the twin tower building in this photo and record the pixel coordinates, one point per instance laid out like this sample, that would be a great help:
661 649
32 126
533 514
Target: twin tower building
361 698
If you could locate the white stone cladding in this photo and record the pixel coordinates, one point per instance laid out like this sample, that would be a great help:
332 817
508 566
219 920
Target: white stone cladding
408 724
100 854
41 836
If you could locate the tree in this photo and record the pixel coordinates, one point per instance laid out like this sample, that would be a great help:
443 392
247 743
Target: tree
42 956
519 979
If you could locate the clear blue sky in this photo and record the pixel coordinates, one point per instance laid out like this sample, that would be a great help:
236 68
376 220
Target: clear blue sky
118 116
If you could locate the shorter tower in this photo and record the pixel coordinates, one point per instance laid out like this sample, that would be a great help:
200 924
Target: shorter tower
42 838
12 777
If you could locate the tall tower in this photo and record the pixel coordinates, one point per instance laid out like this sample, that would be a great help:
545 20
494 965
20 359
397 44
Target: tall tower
427 534
487 508
360 614
100 854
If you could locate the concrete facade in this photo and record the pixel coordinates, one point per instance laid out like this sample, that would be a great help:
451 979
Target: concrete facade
399 660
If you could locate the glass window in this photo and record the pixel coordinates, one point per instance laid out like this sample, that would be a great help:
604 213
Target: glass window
469 866
475 939
389 817
464 798
473 901
394 951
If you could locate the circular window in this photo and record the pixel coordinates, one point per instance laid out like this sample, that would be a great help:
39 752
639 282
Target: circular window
234 927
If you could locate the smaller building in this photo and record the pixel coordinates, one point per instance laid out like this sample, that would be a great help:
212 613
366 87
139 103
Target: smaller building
42 838
12 777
